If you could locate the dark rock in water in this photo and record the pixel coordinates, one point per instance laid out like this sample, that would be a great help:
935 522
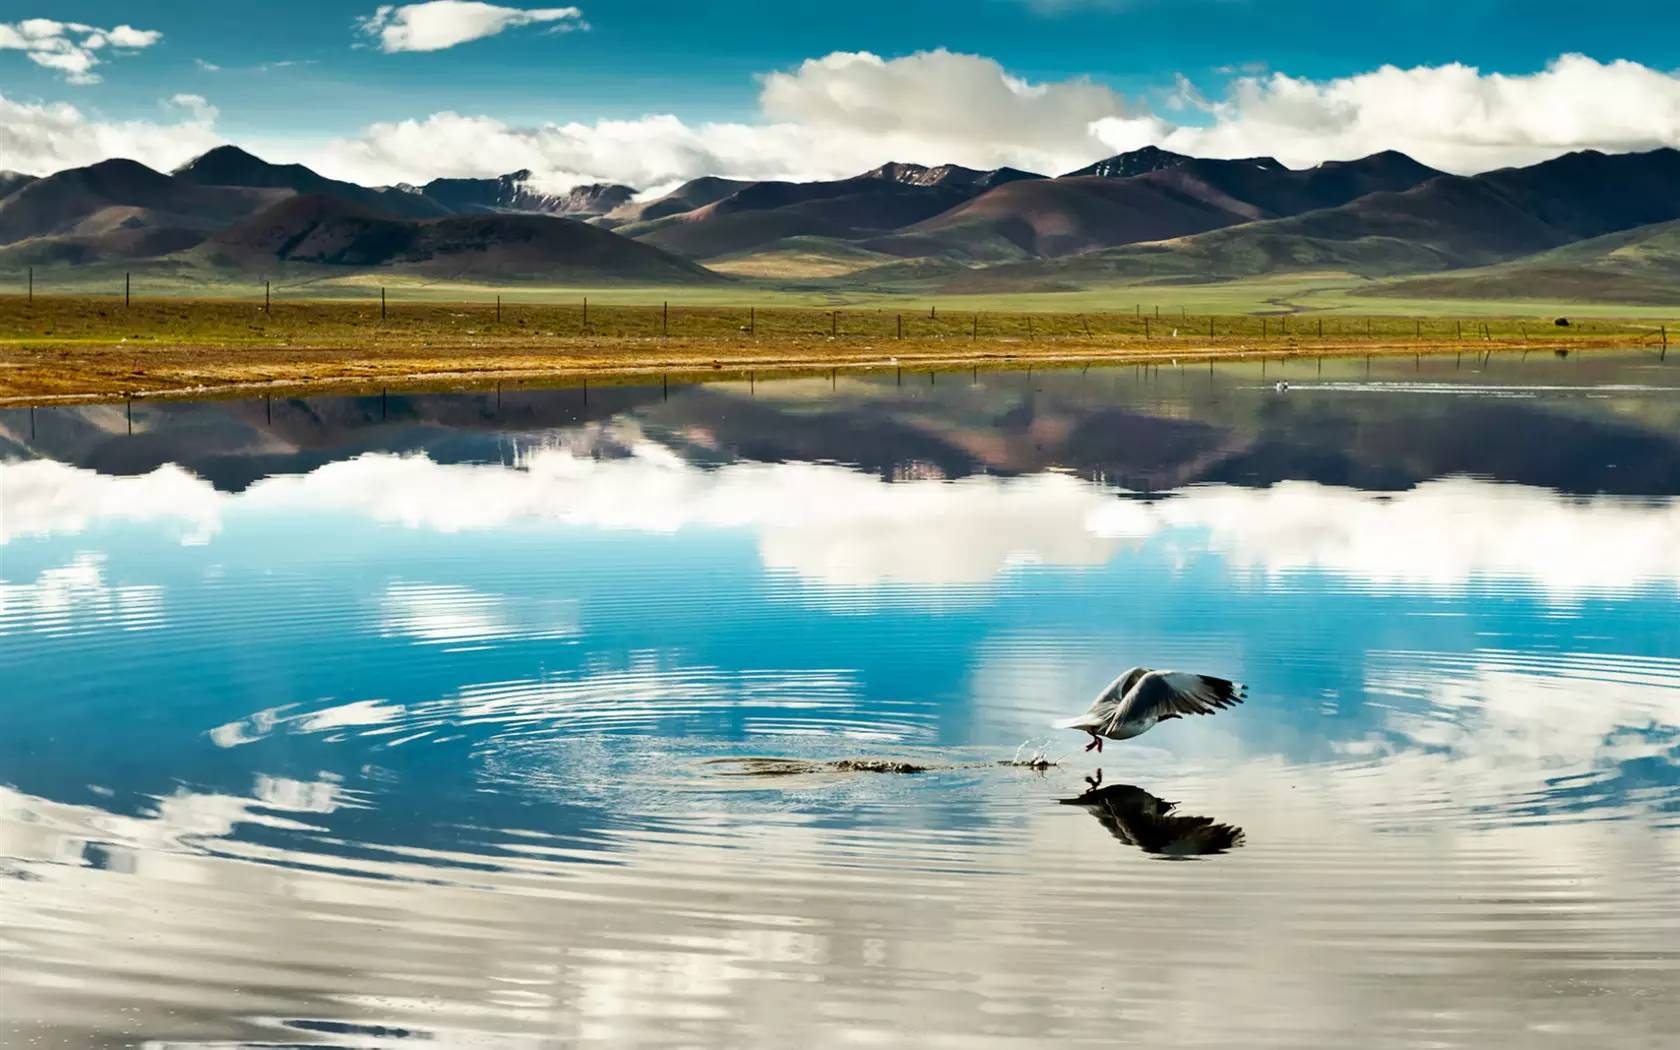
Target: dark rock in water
788 767
875 765
1562 322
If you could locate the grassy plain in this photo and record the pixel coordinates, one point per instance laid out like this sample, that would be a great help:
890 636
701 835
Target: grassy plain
63 347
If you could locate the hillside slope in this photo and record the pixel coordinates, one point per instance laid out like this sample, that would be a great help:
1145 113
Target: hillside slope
325 231
232 166
1637 266
1172 196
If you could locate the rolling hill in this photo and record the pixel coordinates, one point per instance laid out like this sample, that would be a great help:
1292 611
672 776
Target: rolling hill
328 232
1637 266
513 193
232 166
762 213
1448 222
12 181
117 208
1173 196
1582 224
696 193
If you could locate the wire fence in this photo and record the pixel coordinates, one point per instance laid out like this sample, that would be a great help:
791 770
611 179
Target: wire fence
34 316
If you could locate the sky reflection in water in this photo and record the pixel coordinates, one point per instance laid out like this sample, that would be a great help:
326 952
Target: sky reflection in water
415 692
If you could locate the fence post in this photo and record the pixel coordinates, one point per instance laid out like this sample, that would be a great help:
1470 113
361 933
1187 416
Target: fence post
498 309
32 285
586 315
752 320
125 290
382 305
901 326
267 299
974 334
665 321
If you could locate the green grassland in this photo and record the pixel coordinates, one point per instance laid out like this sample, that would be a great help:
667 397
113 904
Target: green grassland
1622 276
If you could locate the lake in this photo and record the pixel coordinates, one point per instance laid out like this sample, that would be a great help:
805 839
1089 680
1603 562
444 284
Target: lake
520 717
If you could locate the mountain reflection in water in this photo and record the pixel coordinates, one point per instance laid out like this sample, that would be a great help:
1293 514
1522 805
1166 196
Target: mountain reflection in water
356 720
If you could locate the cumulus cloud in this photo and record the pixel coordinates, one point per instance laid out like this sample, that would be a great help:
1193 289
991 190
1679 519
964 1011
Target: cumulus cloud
826 118
442 24
835 526
71 48
41 138
840 114
200 108
1455 116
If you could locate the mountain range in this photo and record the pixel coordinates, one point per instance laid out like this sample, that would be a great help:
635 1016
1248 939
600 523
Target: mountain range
1587 221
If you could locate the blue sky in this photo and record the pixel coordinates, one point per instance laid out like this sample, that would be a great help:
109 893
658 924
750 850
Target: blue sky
297 78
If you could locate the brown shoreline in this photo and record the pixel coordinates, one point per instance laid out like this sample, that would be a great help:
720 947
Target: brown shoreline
68 375
64 349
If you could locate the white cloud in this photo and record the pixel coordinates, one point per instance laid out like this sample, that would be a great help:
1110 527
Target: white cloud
208 67
200 108
442 24
71 48
447 614
75 598
827 118
840 114
835 526
42 497
1455 116
42 138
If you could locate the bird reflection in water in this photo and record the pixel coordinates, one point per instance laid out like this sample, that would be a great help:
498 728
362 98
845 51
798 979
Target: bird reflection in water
1140 819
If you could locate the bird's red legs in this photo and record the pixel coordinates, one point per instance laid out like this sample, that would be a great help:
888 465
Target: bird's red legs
1096 742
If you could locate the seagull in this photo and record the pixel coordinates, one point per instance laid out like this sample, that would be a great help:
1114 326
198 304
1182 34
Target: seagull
1140 819
1134 702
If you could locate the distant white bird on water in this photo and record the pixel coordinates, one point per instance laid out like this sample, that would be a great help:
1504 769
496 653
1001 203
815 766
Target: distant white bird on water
1133 703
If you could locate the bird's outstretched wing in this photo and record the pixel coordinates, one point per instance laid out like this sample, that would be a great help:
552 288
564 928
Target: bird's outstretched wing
1169 694
1103 707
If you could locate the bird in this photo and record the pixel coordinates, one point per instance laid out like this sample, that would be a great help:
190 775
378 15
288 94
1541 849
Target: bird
1133 703
1138 818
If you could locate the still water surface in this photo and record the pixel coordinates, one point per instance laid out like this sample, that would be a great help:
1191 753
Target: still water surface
392 721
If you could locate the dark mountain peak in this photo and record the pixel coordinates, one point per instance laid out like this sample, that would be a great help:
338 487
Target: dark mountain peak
232 166
513 193
1390 161
226 157
947 176
1132 162
118 177
898 171
12 181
